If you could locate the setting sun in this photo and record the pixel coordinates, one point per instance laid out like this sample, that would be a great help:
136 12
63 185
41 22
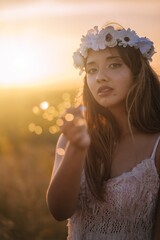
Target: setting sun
25 61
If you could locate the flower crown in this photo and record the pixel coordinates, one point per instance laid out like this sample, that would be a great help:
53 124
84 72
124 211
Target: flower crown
109 37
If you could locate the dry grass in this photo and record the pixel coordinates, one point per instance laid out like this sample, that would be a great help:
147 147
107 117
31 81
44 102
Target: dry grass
25 172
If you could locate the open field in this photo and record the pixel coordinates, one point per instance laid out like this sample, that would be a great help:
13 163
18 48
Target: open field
26 160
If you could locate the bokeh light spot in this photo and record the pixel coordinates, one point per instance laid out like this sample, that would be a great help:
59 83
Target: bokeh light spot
36 110
54 129
31 127
69 117
38 130
44 105
60 151
59 122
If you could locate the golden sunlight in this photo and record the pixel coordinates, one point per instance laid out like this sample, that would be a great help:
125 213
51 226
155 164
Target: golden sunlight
25 61
37 39
31 51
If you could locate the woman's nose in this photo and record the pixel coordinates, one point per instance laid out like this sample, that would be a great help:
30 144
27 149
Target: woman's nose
102 76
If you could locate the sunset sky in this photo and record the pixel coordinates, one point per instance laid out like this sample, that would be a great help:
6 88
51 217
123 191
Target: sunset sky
38 37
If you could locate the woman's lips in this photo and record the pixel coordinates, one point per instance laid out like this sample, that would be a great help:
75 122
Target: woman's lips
104 90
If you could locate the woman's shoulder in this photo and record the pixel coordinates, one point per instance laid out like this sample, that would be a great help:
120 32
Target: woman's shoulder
152 144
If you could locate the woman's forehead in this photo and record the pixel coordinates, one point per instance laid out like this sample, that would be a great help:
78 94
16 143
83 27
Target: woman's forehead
108 52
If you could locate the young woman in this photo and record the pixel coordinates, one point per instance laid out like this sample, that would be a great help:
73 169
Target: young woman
107 181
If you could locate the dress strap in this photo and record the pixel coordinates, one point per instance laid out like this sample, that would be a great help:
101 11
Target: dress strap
155 148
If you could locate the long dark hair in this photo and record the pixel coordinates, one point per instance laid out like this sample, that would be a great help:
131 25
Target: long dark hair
143 110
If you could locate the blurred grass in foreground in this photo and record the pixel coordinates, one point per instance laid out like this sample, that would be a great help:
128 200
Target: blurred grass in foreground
26 162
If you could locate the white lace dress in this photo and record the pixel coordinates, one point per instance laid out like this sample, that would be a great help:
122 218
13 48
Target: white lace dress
127 213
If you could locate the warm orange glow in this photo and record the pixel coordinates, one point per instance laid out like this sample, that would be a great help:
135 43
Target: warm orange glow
27 61
37 39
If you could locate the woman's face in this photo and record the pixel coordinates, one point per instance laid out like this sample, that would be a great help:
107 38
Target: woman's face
108 77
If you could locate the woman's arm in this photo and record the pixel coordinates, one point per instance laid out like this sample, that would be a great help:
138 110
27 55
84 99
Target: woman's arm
156 232
63 190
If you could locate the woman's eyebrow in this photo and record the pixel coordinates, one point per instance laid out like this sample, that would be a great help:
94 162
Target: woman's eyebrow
113 57
90 63
107 59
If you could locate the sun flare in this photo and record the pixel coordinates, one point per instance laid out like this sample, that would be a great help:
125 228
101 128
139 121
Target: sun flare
25 61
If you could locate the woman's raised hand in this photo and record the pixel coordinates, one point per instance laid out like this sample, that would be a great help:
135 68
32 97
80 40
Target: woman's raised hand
74 127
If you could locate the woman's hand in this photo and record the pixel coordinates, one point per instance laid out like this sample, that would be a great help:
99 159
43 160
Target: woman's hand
74 127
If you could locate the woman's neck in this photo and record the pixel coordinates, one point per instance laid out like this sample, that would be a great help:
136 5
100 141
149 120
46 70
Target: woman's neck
124 126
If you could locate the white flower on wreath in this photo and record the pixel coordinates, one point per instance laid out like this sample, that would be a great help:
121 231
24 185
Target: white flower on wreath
78 60
98 42
109 36
146 47
127 37
88 41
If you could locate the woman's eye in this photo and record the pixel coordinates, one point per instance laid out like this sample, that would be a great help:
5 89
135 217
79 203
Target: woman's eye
115 65
91 70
